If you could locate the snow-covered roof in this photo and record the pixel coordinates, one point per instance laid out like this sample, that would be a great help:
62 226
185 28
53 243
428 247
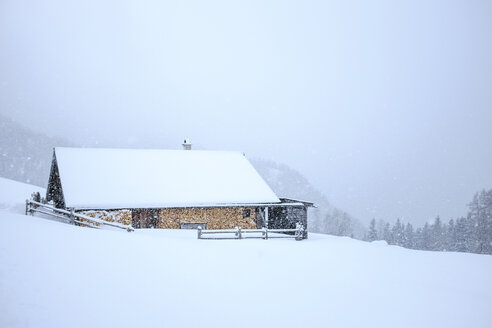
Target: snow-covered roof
100 178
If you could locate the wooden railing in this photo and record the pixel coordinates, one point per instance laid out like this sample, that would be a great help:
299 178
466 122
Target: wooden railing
264 233
71 216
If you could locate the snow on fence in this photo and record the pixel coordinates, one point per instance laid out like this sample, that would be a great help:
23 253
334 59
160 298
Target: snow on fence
34 206
264 233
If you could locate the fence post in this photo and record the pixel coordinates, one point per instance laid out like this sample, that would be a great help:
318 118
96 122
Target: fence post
72 216
265 233
266 217
199 232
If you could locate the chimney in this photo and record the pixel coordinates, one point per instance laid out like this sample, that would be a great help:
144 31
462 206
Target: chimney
186 144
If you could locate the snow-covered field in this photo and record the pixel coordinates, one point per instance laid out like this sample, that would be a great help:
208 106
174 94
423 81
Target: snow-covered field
57 275
13 194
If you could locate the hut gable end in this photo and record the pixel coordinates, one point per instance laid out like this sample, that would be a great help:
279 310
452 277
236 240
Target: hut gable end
54 192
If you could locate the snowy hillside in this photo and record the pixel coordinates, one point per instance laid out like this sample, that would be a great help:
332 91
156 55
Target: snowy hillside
25 155
13 194
325 218
57 275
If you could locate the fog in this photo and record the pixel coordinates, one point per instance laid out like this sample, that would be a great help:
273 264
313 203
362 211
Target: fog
385 106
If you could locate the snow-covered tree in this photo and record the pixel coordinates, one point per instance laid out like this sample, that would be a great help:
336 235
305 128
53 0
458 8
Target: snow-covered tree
464 235
450 240
425 238
480 214
398 233
409 236
387 235
437 235
372 235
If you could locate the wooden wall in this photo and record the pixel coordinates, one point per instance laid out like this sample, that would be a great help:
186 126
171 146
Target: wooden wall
215 217
121 216
171 218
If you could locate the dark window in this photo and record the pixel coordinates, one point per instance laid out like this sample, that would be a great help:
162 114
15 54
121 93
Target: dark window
144 218
246 213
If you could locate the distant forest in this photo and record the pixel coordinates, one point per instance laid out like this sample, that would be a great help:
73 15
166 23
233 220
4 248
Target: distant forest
471 234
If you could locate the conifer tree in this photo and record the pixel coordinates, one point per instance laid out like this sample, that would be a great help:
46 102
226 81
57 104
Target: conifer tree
372 234
418 238
436 235
450 233
387 234
425 237
380 228
409 240
463 235
397 232
480 213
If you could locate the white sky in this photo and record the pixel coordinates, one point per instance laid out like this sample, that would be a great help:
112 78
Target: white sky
386 106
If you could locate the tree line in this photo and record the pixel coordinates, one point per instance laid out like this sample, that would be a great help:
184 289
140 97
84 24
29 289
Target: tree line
471 234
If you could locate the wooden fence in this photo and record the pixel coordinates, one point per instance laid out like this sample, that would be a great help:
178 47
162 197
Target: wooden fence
70 216
264 233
